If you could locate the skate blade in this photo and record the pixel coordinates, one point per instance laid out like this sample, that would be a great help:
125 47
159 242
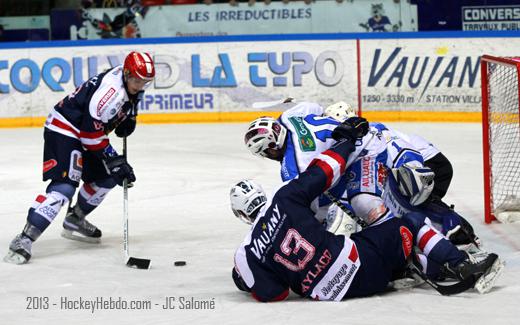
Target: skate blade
15 258
407 283
73 235
487 281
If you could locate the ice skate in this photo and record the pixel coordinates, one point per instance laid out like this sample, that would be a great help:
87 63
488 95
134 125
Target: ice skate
484 271
76 227
19 250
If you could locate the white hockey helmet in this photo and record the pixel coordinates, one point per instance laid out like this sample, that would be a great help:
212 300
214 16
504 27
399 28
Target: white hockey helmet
414 182
340 111
265 133
247 197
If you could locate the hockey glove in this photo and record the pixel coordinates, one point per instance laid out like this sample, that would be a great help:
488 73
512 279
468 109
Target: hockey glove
120 169
351 129
126 127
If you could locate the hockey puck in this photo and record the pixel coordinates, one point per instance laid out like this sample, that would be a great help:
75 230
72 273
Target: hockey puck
179 263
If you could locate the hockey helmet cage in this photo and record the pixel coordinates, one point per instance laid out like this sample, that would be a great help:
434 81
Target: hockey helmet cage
264 133
247 197
340 111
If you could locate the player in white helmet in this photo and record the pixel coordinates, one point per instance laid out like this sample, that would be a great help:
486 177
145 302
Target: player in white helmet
265 137
247 198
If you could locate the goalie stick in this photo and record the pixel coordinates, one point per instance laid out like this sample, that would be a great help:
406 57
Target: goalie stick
140 263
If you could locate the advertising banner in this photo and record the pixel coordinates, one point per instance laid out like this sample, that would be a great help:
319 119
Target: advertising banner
405 75
437 74
223 19
200 77
491 17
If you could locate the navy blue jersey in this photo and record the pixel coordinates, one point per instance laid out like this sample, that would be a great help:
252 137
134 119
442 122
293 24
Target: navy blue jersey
288 248
93 110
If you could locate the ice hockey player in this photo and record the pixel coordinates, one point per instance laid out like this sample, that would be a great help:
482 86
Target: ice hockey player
287 248
433 157
77 148
423 161
297 137
302 132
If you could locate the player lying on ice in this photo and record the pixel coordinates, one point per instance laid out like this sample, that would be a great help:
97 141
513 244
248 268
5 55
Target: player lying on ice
303 131
402 146
288 248
77 148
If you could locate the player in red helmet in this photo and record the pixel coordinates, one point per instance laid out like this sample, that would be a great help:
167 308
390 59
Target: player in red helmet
138 71
77 148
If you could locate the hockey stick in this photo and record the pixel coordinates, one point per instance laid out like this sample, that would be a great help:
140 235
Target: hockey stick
340 205
140 263
262 105
446 290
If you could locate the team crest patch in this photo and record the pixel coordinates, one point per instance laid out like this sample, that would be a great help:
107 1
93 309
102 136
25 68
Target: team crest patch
49 164
407 240
305 138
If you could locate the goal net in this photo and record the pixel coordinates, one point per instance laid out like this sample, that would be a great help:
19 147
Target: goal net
501 137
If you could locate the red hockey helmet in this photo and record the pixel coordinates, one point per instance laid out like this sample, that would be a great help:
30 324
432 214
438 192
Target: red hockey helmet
139 65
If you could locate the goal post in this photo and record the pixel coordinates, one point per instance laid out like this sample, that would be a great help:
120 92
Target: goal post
500 83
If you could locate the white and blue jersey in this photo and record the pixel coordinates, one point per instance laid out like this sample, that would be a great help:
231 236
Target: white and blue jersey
309 133
401 146
368 173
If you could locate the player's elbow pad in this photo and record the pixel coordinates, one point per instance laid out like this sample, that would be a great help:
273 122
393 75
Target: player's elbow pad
282 296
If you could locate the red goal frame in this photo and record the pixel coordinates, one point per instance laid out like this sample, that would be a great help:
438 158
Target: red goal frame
488 175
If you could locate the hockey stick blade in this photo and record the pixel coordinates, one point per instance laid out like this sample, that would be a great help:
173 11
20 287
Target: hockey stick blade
140 263
446 290
262 105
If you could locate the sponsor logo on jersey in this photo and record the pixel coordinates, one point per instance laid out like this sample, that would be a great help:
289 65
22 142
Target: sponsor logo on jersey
49 164
270 228
305 138
407 240
312 274
336 285
367 172
381 175
76 165
105 100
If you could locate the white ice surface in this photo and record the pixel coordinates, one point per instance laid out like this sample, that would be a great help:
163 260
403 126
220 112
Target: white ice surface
179 210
